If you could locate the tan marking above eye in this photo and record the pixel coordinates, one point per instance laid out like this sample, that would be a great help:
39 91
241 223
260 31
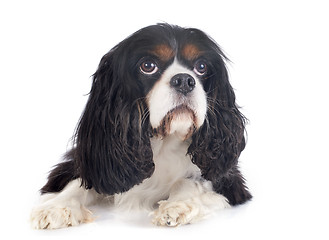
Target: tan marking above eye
191 52
163 52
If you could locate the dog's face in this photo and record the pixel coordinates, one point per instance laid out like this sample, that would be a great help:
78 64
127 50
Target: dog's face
171 68
174 81
177 101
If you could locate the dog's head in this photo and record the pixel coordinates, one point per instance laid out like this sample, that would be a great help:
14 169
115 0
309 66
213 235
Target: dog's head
162 80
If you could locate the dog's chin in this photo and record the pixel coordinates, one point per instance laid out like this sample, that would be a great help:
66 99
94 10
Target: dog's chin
180 121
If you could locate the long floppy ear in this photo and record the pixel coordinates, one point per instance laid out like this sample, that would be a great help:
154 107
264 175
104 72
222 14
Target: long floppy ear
113 151
217 145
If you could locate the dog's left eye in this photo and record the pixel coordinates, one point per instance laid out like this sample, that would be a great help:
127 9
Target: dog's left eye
148 67
200 68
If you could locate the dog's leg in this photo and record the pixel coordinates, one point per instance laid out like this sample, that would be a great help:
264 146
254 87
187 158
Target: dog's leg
189 201
63 209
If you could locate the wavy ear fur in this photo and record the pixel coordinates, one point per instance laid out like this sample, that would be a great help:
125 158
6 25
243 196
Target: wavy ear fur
217 145
112 150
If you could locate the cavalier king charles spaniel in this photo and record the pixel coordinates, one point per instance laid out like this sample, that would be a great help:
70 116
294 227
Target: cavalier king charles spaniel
161 131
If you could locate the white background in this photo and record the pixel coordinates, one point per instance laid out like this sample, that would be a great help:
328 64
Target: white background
280 53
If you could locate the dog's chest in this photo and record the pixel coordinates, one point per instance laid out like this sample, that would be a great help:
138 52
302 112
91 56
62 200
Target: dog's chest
171 165
171 159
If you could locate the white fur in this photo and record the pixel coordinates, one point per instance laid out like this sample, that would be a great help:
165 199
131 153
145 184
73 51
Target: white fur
189 202
64 209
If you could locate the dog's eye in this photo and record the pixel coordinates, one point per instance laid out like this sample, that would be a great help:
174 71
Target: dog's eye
200 68
148 67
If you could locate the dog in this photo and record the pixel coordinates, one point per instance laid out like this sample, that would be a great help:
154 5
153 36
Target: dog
161 131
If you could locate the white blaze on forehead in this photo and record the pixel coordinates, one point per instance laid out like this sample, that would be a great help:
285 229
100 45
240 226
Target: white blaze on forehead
163 98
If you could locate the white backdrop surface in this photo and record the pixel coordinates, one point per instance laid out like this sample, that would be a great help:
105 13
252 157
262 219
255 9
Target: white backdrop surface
279 52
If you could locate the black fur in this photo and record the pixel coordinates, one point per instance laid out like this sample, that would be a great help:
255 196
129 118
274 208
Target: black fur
217 145
61 175
112 150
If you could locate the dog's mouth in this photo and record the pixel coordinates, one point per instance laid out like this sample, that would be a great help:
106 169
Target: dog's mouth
181 121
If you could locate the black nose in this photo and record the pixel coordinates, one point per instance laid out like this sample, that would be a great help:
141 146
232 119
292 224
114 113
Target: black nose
183 83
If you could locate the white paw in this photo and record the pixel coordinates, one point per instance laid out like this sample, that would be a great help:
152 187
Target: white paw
59 217
176 213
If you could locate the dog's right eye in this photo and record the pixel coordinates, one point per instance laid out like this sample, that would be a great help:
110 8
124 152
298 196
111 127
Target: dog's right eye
149 67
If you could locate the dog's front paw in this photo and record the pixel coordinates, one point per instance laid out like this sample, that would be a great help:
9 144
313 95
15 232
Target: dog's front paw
59 217
176 213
